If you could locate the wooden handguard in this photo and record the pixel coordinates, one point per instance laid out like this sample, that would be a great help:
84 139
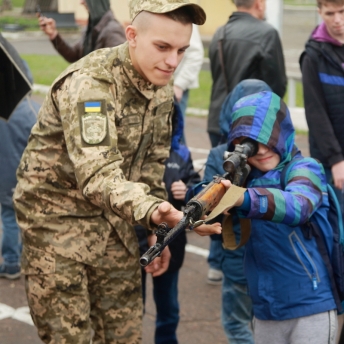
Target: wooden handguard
210 196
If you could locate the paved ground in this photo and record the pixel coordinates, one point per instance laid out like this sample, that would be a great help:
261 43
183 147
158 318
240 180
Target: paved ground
200 303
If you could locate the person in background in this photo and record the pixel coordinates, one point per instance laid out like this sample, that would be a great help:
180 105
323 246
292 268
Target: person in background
322 66
178 178
103 31
186 75
14 135
246 47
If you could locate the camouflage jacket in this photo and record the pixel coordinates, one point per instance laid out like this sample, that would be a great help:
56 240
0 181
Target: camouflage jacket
94 161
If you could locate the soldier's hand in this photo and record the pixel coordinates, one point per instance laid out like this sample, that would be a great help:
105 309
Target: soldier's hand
166 212
160 264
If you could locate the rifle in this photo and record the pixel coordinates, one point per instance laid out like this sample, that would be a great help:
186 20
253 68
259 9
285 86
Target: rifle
237 170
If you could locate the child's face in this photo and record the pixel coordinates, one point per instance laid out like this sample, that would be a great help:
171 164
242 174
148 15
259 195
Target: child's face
265 160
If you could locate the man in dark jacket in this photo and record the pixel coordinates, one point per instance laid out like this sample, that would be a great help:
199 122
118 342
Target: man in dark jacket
103 31
246 47
322 65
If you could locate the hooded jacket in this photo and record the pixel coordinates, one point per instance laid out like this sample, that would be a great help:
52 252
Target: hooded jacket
103 31
242 89
285 272
322 65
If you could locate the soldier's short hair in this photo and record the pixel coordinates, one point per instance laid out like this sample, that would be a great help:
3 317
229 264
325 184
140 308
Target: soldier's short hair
334 2
244 3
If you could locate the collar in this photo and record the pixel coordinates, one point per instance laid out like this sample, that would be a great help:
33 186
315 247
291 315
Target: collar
146 88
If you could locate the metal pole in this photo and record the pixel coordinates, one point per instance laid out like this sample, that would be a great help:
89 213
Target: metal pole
274 14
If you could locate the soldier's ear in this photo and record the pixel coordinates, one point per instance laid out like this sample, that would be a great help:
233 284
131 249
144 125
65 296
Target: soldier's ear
131 33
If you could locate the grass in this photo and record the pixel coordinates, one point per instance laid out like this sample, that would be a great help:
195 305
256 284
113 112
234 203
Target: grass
45 68
200 97
18 3
28 22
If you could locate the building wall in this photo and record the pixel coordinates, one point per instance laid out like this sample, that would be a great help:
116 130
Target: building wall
217 12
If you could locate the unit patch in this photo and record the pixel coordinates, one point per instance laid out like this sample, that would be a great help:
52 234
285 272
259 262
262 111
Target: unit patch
94 123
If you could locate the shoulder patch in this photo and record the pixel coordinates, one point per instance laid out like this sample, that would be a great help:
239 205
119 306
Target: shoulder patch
94 126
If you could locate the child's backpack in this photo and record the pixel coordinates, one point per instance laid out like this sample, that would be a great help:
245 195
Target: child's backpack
330 243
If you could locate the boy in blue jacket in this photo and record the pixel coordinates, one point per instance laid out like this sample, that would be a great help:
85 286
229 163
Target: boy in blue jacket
286 276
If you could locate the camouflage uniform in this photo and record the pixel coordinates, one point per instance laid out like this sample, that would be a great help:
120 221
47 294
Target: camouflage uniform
93 167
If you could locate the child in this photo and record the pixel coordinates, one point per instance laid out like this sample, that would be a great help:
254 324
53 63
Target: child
179 175
287 279
236 315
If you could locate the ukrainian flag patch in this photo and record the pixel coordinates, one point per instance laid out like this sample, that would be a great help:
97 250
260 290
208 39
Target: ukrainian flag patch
92 107
93 123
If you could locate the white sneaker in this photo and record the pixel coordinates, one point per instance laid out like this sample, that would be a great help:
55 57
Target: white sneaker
215 277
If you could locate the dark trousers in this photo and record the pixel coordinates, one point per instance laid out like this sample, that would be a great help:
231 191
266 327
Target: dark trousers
165 293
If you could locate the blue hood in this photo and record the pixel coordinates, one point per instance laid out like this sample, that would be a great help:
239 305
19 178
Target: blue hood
265 118
242 89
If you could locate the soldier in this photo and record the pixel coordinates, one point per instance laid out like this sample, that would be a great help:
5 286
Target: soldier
93 168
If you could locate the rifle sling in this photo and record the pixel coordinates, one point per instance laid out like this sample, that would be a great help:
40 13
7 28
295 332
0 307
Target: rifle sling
228 201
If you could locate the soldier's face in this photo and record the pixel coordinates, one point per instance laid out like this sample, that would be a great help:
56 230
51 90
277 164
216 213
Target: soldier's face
333 17
156 49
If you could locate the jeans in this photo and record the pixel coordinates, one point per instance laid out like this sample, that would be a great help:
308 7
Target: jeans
11 243
165 293
215 252
236 314
166 300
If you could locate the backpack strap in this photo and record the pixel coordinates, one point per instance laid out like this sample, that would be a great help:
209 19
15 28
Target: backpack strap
316 233
311 229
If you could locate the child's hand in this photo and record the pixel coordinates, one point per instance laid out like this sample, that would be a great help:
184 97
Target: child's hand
226 183
178 190
203 230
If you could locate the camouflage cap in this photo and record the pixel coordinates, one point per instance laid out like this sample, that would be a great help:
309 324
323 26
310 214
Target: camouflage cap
164 6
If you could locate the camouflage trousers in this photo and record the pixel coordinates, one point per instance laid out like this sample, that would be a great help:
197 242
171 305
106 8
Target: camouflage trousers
78 303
